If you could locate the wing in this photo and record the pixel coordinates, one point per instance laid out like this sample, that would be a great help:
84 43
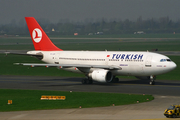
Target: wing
110 67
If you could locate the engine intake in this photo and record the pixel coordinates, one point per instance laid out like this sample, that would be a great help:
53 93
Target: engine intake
101 75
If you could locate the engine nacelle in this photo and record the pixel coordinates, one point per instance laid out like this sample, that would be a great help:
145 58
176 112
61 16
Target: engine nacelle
101 75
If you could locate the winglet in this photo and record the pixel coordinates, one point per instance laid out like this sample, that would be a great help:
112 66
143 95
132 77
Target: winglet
40 40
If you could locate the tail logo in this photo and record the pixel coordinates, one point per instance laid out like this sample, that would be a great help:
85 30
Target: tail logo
37 35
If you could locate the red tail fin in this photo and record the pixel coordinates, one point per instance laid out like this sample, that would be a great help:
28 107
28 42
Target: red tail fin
40 40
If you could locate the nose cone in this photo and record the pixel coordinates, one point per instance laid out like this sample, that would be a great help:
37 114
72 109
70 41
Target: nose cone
173 65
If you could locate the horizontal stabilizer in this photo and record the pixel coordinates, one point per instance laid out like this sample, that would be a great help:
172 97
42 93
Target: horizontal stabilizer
39 56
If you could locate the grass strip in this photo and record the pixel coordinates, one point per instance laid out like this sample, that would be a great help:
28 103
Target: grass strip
30 99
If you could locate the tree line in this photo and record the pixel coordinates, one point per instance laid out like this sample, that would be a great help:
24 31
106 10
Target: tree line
161 25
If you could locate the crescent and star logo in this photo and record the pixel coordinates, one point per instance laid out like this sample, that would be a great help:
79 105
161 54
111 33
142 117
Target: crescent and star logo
37 35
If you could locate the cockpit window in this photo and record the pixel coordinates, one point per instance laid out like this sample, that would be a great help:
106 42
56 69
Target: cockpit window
168 60
164 60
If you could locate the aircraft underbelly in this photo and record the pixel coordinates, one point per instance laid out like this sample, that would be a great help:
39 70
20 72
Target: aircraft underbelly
136 70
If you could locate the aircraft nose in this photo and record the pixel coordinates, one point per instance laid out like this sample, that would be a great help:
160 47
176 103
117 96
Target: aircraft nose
173 65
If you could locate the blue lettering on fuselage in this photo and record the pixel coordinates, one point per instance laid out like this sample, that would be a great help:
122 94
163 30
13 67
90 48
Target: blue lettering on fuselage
128 56
123 55
118 56
113 56
135 56
140 57
132 56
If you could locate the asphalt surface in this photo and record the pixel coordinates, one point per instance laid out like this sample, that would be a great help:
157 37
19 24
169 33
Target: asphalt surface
165 93
135 86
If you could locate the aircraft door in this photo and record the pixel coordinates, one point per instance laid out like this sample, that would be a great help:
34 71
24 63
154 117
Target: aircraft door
148 61
56 58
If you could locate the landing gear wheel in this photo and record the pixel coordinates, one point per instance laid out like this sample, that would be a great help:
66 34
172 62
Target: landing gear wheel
152 80
84 81
115 80
174 116
87 81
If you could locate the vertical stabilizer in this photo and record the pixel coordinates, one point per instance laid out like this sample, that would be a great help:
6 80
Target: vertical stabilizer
40 40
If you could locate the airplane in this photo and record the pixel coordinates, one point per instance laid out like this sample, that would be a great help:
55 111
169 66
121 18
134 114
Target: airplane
99 66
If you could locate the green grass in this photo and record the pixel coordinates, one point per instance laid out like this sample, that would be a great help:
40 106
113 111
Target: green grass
114 36
172 45
30 99
122 36
132 44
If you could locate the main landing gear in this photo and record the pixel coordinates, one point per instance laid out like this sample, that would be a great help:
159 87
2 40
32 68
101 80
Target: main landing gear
152 80
115 80
87 81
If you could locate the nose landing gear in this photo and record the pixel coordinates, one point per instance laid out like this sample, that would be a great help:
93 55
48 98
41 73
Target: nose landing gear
152 79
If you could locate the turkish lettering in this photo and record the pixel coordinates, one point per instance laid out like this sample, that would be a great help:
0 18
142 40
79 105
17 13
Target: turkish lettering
128 56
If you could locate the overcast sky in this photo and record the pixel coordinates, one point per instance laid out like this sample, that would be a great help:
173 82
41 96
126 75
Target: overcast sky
79 10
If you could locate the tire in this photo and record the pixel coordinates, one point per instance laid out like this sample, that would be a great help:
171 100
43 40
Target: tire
152 83
115 80
89 81
84 81
174 116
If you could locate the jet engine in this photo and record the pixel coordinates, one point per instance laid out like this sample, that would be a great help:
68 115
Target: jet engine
101 75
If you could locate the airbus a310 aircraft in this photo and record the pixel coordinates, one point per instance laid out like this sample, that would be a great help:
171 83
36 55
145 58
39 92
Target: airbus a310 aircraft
100 66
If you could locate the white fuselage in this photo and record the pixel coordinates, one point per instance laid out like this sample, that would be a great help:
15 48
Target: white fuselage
131 63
